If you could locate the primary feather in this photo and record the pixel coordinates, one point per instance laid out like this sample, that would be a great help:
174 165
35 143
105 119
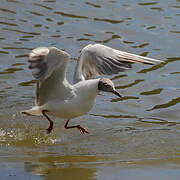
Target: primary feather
98 59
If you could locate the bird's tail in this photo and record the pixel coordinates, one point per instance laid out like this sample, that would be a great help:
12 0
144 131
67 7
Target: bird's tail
35 111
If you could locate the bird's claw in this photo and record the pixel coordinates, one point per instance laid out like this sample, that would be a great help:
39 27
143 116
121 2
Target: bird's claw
82 129
48 130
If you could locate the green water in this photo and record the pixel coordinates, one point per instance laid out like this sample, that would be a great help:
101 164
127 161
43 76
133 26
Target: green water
135 137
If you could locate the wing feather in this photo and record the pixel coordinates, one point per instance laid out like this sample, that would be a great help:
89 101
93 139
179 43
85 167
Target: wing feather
49 68
98 59
44 61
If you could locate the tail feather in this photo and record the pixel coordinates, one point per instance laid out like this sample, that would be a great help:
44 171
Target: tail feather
35 111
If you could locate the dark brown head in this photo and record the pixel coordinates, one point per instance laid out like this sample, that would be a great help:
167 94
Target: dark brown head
107 86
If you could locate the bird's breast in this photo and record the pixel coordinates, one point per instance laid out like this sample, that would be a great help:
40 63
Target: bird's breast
71 108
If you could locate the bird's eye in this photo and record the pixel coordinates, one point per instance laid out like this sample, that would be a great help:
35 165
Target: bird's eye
107 85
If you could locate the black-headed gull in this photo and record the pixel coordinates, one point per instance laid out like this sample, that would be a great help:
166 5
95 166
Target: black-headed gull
56 96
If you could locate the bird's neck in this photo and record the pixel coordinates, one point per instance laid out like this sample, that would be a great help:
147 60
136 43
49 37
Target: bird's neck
87 88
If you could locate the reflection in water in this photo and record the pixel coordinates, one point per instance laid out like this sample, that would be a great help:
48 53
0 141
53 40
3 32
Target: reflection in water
56 168
56 171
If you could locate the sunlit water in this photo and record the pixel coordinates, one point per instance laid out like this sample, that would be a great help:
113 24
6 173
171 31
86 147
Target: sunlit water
134 137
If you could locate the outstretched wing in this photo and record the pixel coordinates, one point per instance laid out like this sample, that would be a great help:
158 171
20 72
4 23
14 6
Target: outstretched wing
48 66
98 59
45 60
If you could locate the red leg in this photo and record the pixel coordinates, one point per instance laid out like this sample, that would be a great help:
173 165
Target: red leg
50 128
79 127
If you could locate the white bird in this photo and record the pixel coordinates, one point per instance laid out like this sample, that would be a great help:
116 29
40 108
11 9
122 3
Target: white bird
56 96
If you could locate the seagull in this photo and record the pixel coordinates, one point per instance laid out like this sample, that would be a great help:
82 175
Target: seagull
57 97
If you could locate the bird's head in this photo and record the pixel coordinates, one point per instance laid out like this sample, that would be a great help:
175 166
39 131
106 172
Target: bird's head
107 86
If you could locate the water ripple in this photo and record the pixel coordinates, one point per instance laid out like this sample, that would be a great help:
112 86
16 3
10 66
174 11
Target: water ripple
161 65
93 4
130 84
21 32
170 103
158 121
114 36
21 56
27 83
14 1
124 98
175 32
115 116
119 76
151 27
112 21
141 45
22 48
152 92
9 24
128 42
157 8
4 52
7 11
178 7
43 6
152 68
173 59
11 70
70 15
36 13
148 3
